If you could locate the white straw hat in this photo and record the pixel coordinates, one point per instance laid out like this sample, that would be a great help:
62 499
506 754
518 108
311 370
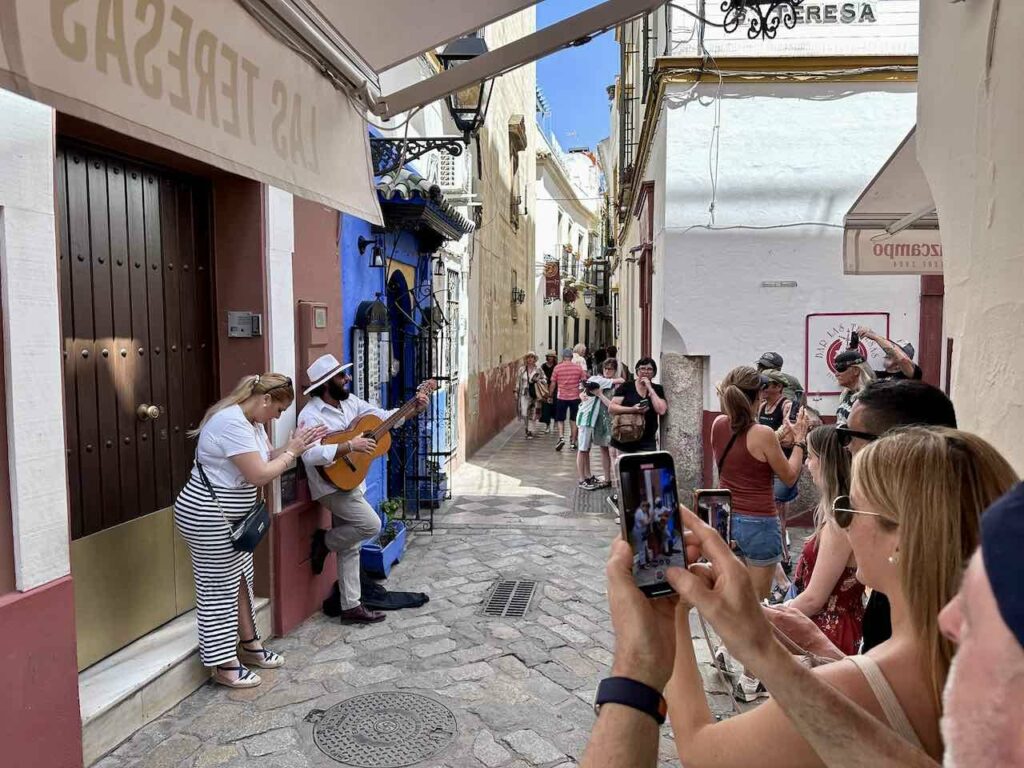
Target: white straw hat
323 368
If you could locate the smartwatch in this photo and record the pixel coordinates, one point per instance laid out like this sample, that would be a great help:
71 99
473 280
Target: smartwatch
630 693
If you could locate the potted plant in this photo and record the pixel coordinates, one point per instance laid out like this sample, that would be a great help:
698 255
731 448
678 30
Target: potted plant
381 553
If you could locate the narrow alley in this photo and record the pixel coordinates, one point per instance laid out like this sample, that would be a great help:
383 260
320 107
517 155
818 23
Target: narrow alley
456 688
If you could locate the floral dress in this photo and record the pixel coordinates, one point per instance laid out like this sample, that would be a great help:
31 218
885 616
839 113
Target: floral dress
842 616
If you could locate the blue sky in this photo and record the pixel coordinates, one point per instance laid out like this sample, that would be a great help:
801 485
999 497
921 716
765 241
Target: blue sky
574 80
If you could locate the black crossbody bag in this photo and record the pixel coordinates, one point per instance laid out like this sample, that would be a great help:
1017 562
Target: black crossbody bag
248 532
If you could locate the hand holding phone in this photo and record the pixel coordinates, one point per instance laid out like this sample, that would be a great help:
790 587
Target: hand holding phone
714 507
651 523
644 405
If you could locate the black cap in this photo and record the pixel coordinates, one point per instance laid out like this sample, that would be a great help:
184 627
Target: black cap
848 358
771 360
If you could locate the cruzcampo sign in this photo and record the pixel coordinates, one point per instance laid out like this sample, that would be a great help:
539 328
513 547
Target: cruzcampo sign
202 78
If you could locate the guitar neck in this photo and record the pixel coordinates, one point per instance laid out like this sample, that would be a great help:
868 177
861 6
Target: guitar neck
389 423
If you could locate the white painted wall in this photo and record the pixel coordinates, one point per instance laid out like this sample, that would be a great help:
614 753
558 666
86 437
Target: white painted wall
851 27
280 211
969 144
787 155
29 284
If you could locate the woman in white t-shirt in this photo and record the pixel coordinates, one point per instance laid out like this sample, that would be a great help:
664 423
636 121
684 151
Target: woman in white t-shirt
235 454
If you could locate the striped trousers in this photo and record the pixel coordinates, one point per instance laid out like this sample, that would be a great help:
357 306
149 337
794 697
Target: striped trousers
217 567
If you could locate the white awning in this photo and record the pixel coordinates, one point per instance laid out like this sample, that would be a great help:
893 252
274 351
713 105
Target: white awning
204 79
358 40
893 228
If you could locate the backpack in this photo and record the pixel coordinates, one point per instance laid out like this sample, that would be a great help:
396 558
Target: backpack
628 427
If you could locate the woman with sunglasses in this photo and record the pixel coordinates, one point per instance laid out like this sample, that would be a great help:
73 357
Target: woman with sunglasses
234 453
913 521
825 586
749 456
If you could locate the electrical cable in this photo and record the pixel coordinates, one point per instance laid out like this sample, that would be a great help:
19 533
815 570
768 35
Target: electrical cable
698 17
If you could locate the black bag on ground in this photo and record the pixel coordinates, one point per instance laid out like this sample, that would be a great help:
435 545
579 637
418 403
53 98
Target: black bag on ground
375 597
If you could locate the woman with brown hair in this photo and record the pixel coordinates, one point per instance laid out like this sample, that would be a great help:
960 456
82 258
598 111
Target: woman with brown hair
234 458
913 520
748 456
825 586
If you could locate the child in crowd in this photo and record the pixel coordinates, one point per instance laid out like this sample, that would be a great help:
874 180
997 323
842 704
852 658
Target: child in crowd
594 425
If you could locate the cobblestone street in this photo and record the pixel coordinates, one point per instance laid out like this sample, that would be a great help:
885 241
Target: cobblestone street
520 690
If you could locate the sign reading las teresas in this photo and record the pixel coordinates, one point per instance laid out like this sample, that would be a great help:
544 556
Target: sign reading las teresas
201 78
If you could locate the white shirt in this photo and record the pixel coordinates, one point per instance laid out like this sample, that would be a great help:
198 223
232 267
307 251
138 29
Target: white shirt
317 412
228 433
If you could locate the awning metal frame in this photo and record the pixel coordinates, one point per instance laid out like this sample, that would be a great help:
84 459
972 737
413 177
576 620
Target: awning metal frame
574 31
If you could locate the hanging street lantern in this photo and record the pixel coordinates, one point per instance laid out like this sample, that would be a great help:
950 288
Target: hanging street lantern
439 267
764 16
376 253
588 298
468 108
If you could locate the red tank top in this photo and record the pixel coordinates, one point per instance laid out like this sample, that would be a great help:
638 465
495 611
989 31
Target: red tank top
749 480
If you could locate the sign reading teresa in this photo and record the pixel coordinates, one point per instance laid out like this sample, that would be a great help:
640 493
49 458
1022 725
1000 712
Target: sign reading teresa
835 13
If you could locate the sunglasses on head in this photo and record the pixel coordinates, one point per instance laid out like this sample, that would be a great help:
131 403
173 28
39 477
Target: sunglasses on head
843 511
846 435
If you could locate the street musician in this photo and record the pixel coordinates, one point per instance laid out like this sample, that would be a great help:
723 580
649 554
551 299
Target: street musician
353 520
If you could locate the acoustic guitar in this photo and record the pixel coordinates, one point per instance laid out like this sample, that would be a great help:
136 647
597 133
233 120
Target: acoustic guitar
350 469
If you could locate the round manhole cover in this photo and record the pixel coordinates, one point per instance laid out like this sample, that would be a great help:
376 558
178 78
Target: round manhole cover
384 730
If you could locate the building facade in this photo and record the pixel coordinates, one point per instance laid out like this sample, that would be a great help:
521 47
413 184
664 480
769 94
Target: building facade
567 305
737 161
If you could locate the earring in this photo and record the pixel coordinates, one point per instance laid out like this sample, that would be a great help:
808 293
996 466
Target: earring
894 559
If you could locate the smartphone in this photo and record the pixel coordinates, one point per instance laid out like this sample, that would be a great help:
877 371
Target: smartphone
645 404
714 507
650 518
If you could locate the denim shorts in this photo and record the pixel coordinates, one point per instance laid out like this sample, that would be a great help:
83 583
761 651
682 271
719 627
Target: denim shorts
785 493
758 538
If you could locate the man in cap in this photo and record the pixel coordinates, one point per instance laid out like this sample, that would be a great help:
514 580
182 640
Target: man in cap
849 374
353 520
984 693
899 357
772 361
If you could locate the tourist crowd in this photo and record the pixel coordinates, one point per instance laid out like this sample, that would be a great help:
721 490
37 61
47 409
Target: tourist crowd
898 640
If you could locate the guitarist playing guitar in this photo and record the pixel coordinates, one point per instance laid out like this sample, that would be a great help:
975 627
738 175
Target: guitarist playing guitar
347 456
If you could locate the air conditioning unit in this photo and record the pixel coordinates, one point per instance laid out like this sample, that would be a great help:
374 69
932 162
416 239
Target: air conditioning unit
451 173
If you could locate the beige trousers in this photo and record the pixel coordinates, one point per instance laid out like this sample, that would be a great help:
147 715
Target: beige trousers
353 521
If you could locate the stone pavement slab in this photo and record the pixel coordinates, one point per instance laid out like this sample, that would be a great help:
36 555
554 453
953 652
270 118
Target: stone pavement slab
520 689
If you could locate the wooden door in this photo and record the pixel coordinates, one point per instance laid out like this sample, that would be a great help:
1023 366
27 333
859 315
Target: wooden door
136 299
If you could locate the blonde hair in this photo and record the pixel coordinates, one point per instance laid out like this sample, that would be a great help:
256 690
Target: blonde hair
738 393
277 385
933 483
865 375
834 470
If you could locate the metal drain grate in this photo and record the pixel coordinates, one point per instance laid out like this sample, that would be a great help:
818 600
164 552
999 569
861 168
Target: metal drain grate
510 598
383 730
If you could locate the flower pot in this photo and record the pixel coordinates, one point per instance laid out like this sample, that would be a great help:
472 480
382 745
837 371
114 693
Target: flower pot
377 558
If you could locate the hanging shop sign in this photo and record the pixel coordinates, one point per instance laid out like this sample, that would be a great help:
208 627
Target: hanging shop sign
828 334
552 280
200 78
875 252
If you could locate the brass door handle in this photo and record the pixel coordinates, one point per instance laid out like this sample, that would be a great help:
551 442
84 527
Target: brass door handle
148 412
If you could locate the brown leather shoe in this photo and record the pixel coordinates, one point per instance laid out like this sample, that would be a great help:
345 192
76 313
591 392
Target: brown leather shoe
361 615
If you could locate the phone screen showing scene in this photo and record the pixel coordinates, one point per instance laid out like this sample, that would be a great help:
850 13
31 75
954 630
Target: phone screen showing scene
715 509
652 523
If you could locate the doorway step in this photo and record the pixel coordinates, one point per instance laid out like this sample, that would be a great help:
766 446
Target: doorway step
143 680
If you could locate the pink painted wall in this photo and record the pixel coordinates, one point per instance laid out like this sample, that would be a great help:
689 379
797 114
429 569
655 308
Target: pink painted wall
316 276
40 722
496 405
